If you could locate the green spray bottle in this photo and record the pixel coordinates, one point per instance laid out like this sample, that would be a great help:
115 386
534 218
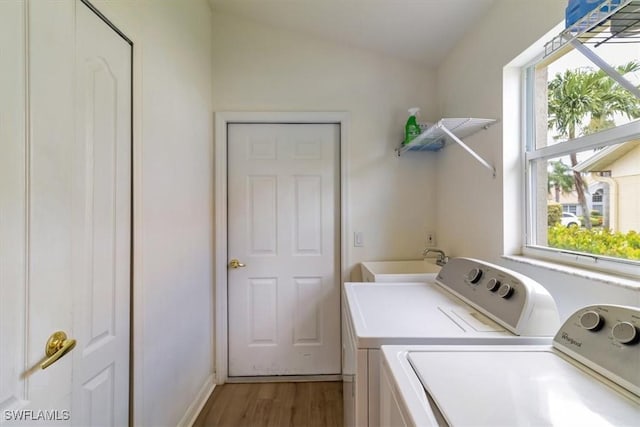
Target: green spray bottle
411 129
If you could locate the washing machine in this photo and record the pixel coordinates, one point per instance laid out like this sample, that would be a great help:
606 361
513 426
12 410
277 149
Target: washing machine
468 302
588 376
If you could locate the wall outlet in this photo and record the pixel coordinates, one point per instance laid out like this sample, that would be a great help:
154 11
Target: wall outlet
430 239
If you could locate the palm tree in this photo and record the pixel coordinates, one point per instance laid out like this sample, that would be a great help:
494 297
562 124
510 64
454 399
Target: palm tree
615 99
560 179
583 101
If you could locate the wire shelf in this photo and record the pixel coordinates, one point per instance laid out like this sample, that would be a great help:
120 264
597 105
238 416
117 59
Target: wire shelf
435 137
619 23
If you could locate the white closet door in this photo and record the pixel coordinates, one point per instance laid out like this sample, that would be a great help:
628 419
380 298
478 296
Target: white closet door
102 222
64 214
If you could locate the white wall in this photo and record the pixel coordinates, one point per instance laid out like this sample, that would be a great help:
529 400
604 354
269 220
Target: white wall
479 216
173 192
470 84
572 292
260 68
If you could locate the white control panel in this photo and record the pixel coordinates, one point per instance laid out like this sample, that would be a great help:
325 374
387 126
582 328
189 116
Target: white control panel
607 339
515 301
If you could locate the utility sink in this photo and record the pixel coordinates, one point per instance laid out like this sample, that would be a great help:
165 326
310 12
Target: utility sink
399 271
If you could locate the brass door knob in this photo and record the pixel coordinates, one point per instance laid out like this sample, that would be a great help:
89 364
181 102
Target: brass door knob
57 346
234 263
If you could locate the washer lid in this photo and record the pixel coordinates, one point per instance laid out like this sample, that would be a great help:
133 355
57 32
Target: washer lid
507 386
416 313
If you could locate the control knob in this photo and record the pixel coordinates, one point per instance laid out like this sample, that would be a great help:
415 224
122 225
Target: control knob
474 275
505 291
493 285
625 333
591 321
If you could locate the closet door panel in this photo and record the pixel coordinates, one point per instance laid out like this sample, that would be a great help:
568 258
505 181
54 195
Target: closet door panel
12 201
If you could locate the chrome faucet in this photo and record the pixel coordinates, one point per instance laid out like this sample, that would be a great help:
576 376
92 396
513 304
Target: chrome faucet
442 257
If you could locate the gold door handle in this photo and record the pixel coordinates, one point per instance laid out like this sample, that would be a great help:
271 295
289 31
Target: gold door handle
57 346
234 263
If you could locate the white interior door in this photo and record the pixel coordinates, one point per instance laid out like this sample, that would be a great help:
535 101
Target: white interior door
64 214
283 225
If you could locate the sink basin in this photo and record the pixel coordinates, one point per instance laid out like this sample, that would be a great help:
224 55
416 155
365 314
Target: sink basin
399 271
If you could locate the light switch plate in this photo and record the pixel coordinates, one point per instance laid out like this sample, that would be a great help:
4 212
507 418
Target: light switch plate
358 239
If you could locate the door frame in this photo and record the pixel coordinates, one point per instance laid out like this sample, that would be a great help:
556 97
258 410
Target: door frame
222 120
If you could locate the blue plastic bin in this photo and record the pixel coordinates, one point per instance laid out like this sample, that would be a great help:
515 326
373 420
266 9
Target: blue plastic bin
576 9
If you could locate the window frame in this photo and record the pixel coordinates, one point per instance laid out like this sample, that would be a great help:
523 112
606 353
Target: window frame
531 154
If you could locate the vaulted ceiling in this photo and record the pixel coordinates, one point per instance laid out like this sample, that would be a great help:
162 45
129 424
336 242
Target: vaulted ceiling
418 30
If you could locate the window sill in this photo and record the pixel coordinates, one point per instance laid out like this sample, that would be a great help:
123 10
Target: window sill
608 278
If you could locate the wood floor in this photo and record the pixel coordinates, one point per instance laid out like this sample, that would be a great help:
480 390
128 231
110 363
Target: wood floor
299 404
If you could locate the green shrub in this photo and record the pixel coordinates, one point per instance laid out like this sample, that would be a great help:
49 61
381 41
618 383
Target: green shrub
596 241
554 214
596 219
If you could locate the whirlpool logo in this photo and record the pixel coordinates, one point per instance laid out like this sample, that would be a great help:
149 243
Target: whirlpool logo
565 336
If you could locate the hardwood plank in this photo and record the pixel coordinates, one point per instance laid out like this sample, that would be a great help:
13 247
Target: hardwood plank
312 404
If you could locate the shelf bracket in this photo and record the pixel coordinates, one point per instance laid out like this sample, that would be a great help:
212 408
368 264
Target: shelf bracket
604 66
469 150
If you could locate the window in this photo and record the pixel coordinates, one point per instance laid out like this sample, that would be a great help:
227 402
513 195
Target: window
597 197
582 157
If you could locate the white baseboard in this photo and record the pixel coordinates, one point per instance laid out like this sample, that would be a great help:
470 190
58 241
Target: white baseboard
201 399
284 379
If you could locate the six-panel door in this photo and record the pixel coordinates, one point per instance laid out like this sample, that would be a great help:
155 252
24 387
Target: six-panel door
283 225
